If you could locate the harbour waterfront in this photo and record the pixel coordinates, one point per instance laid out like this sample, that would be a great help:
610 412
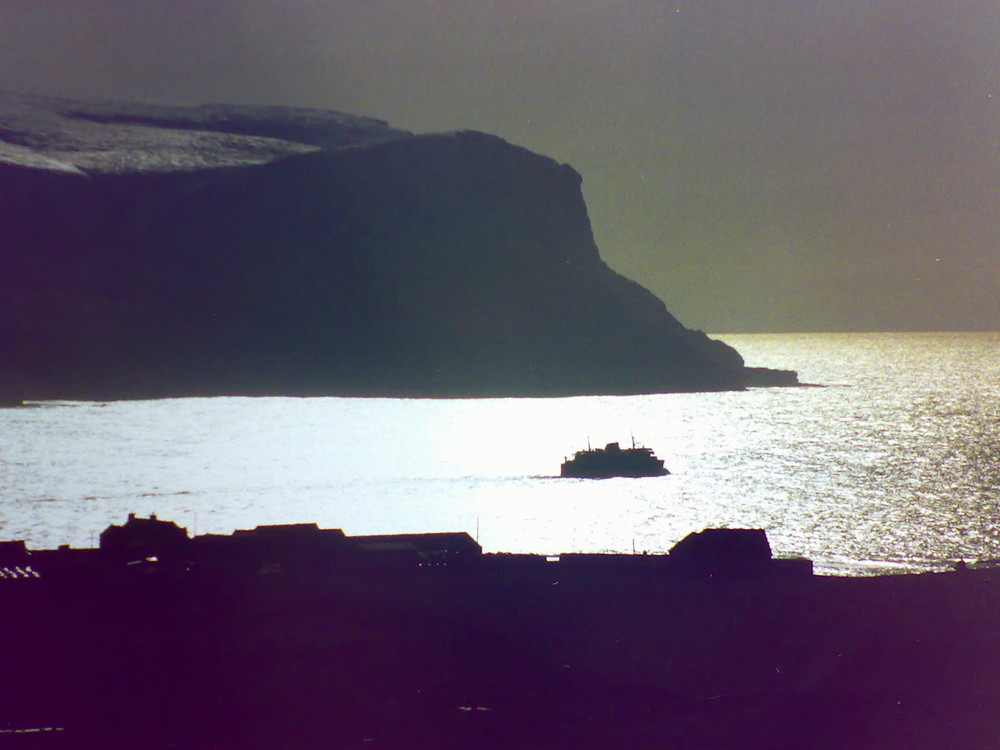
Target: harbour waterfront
893 466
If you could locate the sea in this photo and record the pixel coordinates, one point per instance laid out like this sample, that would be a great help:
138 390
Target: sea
888 461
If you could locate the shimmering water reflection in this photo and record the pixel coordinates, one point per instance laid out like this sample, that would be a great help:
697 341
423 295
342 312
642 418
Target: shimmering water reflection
894 466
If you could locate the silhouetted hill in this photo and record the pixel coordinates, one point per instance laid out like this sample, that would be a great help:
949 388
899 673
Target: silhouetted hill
162 251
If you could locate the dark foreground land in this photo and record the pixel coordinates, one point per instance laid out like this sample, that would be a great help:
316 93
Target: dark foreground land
293 637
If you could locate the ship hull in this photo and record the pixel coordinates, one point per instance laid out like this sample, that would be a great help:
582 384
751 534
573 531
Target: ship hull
574 472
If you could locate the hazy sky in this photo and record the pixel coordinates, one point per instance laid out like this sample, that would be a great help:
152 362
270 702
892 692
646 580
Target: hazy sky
761 165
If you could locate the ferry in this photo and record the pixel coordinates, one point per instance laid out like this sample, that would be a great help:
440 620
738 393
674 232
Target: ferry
613 461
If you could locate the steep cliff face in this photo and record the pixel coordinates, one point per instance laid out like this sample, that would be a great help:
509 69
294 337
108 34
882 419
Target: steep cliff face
159 251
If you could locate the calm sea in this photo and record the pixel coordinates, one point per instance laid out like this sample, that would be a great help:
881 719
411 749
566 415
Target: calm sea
893 466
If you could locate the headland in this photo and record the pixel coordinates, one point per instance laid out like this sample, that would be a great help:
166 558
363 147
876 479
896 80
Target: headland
165 251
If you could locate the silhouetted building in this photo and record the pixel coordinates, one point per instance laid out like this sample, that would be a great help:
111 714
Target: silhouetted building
445 548
723 546
13 553
144 538
732 552
309 553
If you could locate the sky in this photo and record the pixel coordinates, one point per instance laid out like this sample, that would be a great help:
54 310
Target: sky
760 165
